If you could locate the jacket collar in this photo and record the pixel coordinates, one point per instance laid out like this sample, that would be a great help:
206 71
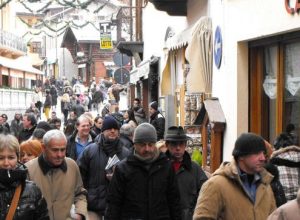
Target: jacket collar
46 167
186 161
230 169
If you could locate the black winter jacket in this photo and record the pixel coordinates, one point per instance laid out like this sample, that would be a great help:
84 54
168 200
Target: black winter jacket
92 163
25 134
190 178
139 190
31 206
71 145
158 121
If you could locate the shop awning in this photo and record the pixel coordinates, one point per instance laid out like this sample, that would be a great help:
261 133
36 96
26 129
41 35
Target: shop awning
199 54
141 71
166 87
17 64
180 40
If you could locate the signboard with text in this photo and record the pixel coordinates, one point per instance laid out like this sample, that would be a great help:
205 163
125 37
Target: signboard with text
105 36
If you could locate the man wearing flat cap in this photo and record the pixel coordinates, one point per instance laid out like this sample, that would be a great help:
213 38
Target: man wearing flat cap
189 174
239 189
92 162
144 184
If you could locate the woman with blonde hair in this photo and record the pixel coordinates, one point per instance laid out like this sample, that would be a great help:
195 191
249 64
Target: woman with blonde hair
19 198
29 150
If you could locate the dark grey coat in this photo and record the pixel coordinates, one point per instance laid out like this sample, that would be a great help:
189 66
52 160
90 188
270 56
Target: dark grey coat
190 178
92 162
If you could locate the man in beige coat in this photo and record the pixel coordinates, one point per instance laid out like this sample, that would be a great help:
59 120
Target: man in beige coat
59 179
239 189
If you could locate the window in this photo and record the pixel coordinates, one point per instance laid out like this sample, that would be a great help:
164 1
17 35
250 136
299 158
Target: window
36 47
275 85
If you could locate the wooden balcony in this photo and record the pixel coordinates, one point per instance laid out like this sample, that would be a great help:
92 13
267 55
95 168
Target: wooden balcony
11 45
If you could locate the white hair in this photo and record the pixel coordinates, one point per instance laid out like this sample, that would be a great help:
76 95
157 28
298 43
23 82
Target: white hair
53 134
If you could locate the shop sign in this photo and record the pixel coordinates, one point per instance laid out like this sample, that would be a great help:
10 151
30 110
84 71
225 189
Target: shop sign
218 47
292 10
105 35
106 42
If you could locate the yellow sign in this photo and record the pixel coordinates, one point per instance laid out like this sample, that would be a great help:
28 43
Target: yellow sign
106 42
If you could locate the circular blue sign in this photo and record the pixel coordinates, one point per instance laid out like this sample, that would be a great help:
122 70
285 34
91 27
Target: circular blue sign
218 47
121 76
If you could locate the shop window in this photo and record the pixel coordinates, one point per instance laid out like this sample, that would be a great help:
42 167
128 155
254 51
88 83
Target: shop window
275 86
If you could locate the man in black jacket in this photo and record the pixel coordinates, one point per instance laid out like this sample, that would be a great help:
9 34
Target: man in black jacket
143 185
157 120
189 174
80 138
92 164
29 124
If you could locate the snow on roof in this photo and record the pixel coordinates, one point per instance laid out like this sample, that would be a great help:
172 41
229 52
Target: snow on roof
86 33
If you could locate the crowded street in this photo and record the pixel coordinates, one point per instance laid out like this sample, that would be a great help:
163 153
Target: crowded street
149 110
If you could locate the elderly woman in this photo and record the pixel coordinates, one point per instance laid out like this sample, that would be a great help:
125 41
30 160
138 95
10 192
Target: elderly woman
19 198
29 150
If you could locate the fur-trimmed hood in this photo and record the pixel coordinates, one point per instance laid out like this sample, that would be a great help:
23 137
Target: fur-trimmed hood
291 153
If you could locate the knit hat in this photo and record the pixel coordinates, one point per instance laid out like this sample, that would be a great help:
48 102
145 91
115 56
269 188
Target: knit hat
108 123
145 133
154 105
175 133
248 143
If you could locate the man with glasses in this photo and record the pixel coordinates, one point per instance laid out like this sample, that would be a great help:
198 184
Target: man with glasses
190 176
143 185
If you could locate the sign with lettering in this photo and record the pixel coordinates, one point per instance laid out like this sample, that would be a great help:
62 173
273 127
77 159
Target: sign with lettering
105 36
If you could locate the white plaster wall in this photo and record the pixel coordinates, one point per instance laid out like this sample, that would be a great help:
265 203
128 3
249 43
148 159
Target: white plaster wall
240 22
155 24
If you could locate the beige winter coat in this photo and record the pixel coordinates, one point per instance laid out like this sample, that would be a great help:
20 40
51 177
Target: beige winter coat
288 211
223 197
60 189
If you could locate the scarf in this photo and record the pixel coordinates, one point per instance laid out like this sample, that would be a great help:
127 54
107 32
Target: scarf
110 147
11 178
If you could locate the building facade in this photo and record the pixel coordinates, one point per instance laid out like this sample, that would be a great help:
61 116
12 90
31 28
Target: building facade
256 77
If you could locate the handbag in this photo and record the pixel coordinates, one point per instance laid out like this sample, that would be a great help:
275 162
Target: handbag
14 203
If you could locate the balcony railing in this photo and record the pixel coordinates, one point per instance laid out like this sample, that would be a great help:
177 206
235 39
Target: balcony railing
12 41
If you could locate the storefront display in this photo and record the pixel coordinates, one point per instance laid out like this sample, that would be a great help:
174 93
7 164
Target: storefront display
192 106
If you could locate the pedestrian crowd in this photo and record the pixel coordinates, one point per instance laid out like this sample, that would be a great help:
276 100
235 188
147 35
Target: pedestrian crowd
125 165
